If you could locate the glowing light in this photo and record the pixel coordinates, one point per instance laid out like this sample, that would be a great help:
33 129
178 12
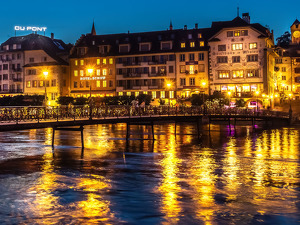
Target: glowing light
90 71
45 73
229 93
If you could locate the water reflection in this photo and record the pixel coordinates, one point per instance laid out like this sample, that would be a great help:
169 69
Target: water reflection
240 177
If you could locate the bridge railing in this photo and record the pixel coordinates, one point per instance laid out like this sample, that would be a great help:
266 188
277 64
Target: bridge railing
28 114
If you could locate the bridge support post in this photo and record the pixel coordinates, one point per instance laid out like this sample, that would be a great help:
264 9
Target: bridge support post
68 129
53 136
198 128
127 131
152 128
175 128
82 140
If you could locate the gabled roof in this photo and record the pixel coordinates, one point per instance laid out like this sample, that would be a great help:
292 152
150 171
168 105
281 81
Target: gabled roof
238 22
53 47
296 22
92 42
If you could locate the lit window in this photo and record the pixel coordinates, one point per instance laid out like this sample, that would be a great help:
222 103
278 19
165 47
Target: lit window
75 73
192 44
182 45
192 69
137 93
81 62
162 94
76 62
98 83
81 73
223 74
237 33
98 72
237 46
104 83
120 93
253 46
201 43
252 73
104 71
28 84
237 73
128 93
199 35
171 94
104 61
111 60
145 92
98 61
153 94
246 88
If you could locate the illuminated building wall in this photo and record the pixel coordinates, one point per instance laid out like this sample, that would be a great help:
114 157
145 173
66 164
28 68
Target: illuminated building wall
25 58
241 58
287 66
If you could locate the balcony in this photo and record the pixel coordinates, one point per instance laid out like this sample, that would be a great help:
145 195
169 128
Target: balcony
129 75
157 62
17 69
131 63
17 79
161 74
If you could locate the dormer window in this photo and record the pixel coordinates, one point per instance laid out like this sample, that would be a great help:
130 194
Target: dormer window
199 35
144 47
192 44
201 43
166 45
81 51
124 48
182 45
104 49
190 36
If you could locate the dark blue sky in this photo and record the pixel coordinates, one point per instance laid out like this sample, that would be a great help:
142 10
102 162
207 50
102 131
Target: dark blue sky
69 19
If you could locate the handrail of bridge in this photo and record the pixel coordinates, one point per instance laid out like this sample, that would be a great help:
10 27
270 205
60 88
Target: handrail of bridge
17 114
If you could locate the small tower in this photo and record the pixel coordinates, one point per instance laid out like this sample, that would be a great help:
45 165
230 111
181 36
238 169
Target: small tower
93 29
171 26
295 32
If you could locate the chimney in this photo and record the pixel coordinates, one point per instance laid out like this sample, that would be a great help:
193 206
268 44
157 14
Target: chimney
196 25
185 27
52 36
246 17
171 25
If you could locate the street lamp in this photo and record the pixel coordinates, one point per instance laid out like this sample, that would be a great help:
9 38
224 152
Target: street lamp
90 72
45 77
169 86
257 93
290 96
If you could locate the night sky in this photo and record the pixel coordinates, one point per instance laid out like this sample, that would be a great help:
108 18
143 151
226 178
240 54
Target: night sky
69 19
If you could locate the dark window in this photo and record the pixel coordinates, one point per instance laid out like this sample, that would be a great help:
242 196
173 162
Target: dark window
182 81
75 84
53 83
297 70
166 46
145 47
229 33
221 47
5 66
182 57
171 69
222 59
5 76
283 78
201 57
236 59
244 32
192 57
252 58
31 59
110 83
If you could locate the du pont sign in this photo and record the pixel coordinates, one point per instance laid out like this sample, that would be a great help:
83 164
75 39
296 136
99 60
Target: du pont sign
29 28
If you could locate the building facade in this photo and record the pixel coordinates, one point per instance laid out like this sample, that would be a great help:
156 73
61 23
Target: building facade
242 59
31 63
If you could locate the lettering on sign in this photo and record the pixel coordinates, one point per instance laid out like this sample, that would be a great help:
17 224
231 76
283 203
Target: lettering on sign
29 28
92 78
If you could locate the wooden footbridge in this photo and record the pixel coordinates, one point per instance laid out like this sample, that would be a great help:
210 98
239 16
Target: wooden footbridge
76 117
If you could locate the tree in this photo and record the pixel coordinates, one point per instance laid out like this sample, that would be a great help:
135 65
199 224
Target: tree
80 101
144 98
240 103
284 40
64 100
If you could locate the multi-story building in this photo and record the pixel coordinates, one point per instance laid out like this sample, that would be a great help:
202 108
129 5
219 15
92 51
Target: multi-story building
242 58
163 64
92 66
287 67
31 62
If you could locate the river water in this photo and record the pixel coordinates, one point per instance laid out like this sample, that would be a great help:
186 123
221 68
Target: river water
244 176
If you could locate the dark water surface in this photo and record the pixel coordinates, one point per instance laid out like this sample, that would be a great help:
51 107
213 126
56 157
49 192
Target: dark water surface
244 177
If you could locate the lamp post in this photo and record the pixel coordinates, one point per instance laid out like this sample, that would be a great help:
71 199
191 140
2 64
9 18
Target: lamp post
90 72
45 77
229 94
169 86
257 93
